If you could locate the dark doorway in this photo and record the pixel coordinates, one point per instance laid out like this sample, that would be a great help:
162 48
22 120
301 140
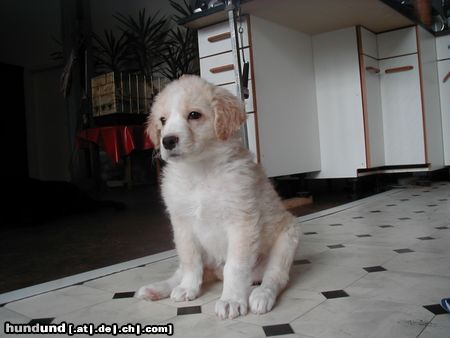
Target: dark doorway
14 149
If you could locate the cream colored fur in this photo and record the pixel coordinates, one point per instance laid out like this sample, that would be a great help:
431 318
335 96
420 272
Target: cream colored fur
225 214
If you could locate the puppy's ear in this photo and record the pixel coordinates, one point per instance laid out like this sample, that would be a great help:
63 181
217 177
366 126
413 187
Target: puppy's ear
229 113
152 130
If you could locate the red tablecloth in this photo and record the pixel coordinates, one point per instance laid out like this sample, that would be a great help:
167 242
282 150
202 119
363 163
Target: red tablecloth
117 141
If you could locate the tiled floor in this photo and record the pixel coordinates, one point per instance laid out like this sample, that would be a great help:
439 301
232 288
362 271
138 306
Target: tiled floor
377 267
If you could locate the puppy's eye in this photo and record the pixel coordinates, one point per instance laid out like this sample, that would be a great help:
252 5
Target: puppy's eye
163 120
194 115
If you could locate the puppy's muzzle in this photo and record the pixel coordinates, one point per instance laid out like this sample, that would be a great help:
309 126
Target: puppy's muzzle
170 142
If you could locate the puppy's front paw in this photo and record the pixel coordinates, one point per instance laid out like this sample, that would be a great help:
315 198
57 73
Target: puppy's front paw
227 308
261 300
181 294
153 291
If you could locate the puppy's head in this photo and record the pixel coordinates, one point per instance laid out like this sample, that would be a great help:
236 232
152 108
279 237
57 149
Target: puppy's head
190 116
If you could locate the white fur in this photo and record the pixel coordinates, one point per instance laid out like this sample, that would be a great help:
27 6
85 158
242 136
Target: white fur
225 214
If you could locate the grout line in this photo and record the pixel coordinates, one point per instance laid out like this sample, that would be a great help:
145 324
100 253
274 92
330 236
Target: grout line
425 326
346 206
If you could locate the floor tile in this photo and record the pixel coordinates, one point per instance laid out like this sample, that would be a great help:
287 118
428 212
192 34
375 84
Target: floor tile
357 256
356 317
132 280
439 327
59 302
277 330
320 277
120 311
377 268
436 309
7 315
188 310
291 304
401 287
374 269
202 325
335 294
420 262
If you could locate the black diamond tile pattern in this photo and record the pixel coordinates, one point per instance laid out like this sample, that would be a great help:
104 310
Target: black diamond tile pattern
336 246
335 294
120 295
277 330
374 268
436 309
189 310
403 250
41 321
302 261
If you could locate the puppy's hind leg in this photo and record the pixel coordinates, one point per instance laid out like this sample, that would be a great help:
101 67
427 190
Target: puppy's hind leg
159 290
276 274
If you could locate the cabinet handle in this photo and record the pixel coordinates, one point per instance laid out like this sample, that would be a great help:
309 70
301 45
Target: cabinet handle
373 70
219 37
221 69
446 77
398 69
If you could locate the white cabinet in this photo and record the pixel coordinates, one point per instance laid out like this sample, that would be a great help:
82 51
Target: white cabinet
334 103
217 67
285 99
215 39
443 47
443 56
397 43
283 132
376 107
444 82
402 111
373 113
341 125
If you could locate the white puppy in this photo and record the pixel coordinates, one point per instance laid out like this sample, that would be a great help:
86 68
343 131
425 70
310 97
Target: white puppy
225 214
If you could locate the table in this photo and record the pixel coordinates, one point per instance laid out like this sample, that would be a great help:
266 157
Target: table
117 142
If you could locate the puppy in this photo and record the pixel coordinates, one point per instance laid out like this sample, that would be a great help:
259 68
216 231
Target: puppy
225 214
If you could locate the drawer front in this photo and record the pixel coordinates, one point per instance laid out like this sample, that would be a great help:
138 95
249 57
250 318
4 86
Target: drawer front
443 47
249 102
396 43
219 69
216 39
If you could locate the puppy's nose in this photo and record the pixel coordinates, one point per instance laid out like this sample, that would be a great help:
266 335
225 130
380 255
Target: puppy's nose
170 142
